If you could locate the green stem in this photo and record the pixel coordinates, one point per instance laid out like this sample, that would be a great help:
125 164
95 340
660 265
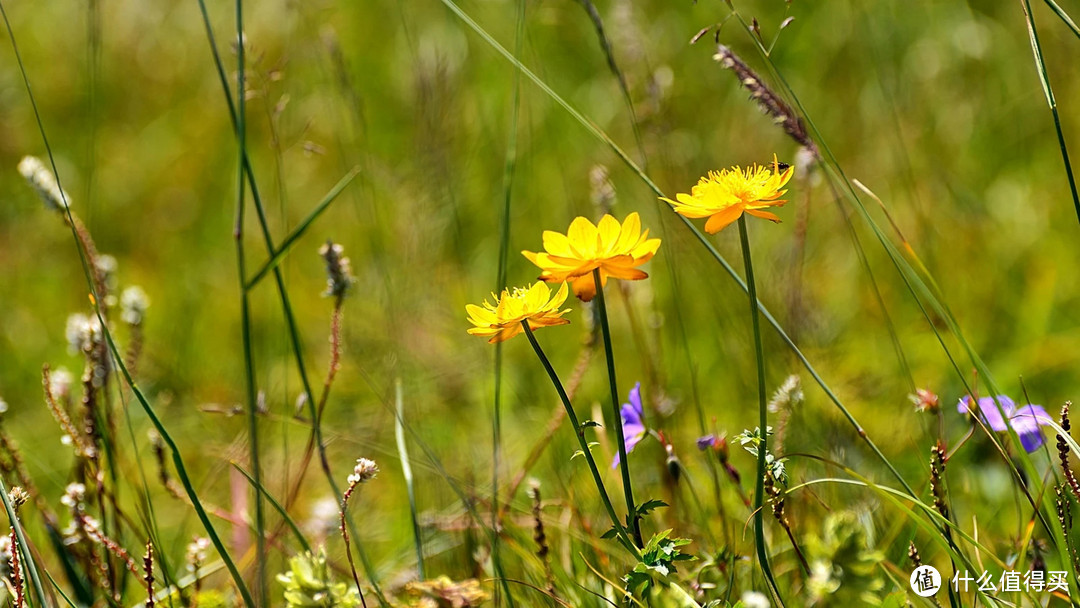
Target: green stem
620 439
763 415
249 360
620 530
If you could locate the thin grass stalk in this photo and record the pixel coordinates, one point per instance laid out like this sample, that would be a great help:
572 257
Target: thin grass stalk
406 472
620 439
624 88
96 301
509 168
23 548
348 547
262 591
1048 92
1060 12
763 417
579 432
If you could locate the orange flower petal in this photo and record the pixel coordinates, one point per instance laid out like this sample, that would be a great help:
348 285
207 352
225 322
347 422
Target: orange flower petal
723 219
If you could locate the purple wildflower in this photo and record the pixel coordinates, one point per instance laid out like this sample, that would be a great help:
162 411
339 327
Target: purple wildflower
1026 421
706 442
633 425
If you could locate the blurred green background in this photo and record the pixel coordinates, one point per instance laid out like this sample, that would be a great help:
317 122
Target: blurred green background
935 106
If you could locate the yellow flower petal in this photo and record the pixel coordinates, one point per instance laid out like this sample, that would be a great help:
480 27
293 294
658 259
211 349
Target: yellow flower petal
723 195
586 247
502 320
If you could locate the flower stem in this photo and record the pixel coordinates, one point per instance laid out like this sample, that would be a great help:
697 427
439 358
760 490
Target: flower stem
344 529
620 530
624 465
763 414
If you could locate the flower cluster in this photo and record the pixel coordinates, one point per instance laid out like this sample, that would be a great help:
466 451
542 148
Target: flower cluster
365 470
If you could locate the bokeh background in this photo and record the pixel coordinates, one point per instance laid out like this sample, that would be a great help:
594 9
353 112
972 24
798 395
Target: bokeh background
935 106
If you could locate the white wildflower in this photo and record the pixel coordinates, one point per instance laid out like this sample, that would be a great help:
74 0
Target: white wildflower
363 471
133 305
74 495
83 333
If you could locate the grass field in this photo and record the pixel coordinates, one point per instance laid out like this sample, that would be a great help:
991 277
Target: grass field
925 250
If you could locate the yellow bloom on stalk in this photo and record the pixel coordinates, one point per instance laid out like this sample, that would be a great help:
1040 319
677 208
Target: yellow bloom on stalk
502 320
616 249
724 195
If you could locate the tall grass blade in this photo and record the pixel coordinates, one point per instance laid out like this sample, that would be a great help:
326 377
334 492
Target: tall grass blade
25 554
245 312
509 168
1060 12
1048 91
406 472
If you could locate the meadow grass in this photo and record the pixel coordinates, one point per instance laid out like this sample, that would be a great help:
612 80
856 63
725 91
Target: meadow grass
807 450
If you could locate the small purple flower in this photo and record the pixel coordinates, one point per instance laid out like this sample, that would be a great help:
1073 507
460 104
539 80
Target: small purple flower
706 442
1026 421
633 425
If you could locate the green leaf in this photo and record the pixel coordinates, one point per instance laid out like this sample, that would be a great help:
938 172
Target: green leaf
580 453
649 506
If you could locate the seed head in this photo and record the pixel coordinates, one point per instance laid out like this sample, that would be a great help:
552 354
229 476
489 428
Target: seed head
339 275
42 180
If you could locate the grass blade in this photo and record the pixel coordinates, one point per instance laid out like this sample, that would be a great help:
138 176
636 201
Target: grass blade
406 472
24 547
1048 91
301 228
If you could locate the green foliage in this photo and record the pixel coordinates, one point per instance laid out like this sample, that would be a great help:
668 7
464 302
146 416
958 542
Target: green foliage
658 559
309 584
751 441
845 571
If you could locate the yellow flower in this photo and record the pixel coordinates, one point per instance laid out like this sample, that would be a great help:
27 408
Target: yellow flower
724 195
502 320
617 250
